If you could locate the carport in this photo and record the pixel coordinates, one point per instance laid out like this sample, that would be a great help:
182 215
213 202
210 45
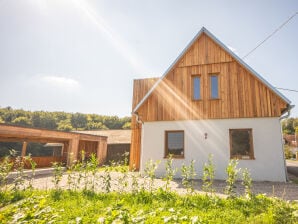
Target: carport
72 142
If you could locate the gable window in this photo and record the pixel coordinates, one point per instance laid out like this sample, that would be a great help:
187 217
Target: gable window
214 86
241 144
174 143
196 87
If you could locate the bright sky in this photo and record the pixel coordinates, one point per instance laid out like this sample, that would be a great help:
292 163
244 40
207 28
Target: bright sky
82 56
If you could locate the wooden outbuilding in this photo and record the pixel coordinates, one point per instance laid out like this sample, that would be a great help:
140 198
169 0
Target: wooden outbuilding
73 143
118 143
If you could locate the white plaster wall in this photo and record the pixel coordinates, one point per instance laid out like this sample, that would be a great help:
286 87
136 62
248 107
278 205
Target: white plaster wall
267 142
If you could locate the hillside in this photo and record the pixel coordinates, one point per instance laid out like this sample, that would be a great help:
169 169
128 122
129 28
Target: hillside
62 121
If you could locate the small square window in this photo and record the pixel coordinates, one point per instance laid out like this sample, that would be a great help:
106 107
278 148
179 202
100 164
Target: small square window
196 87
214 86
174 143
241 144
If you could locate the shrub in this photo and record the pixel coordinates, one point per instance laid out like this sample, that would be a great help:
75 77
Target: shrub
57 174
5 167
247 183
208 175
232 173
150 168
170 171
188 174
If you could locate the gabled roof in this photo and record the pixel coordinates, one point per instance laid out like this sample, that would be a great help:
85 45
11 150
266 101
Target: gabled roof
239 60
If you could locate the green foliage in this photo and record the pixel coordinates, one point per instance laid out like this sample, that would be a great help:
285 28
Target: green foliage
57 174
33 209
208 175
62 121
64 125
150 168
170 171
127 125
19 180
145 207
188 174
92 166
5 167
247 183
139 206
41 119
106 180
232 172
287 151
78 120
289 125
22 121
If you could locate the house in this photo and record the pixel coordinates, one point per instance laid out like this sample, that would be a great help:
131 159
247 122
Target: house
118 143
209 101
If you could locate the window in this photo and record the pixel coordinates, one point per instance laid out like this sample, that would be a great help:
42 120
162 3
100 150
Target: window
214 86
241 144
174 144
196 87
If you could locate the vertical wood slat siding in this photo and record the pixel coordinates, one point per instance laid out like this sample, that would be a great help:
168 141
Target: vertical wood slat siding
140 88
241 94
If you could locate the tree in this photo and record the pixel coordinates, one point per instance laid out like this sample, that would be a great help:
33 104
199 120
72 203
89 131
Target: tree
79 120
127 125
41 119
65 125
23 121
95 126
288 126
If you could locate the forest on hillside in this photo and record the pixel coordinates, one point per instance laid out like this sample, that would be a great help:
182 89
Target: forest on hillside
62 121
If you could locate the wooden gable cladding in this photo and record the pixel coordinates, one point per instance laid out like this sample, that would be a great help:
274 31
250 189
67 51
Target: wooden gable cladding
241 95
204 51
140 88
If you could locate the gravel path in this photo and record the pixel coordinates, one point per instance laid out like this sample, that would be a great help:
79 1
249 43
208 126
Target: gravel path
286 191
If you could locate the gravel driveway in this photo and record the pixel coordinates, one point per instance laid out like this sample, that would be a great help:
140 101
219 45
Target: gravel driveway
286 191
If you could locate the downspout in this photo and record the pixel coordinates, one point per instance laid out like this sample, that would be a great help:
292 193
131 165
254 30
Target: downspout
288 110
139 121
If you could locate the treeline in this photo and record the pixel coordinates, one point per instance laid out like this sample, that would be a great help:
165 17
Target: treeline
61 120
290 126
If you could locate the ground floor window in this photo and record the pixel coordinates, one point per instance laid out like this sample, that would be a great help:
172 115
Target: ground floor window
174 143
241 144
